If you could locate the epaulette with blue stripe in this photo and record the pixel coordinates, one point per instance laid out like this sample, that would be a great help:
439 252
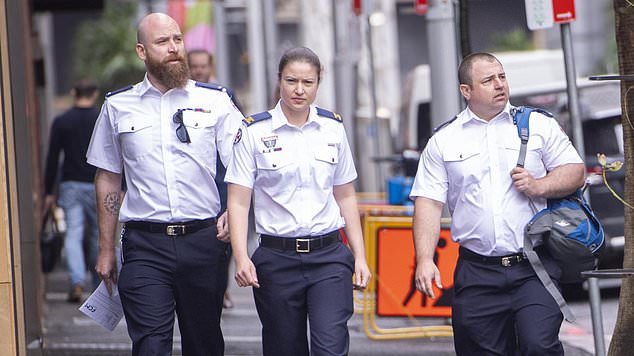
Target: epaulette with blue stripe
256 117
211 86
219 88
111 93
444 124
329 114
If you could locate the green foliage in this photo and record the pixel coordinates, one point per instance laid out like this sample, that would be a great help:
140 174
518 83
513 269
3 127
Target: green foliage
514 40
104 48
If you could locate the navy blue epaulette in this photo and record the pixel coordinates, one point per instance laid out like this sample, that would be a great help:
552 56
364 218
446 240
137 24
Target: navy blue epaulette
329 114
211 86
256 117
444 124
219 88
111 93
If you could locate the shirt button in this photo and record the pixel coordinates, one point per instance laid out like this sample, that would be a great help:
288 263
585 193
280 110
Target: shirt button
274 165
132 128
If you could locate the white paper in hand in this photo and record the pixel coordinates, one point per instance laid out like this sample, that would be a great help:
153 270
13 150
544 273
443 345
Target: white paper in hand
103 308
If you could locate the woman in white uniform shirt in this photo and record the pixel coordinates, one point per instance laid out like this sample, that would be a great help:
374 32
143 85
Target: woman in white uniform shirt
297 162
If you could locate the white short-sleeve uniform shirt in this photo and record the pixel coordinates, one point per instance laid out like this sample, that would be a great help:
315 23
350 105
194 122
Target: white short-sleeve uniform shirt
166 180
467 165
292 171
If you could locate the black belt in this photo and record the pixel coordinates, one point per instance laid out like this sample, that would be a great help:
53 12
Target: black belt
302 244
171 229
506 261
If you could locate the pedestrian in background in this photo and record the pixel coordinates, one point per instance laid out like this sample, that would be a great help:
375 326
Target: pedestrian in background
164 133
69 137
201 65
201 70
296 161
499 304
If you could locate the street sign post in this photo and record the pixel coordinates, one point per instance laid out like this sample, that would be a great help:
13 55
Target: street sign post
421 7
542 14
564 11
539 14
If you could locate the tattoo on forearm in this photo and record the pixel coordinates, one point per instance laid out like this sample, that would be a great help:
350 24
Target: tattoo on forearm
112 203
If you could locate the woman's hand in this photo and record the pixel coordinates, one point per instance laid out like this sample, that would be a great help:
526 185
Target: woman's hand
245 272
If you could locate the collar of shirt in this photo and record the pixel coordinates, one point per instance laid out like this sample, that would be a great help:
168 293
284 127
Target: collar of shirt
469 116
280 120
146 86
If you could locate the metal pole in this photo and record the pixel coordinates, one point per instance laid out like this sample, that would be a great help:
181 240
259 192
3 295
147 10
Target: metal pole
596 315
573 94
221 55
270 38
374 120
257 68
344 67
443 61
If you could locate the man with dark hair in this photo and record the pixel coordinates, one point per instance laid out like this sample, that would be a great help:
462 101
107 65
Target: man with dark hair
470 164
201 65
164 133
70 135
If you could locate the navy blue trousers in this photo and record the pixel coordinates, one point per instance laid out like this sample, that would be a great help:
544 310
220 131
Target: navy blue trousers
163 276
295 287
499 310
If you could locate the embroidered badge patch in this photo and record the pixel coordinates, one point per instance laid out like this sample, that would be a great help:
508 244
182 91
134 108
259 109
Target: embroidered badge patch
269 141
238 136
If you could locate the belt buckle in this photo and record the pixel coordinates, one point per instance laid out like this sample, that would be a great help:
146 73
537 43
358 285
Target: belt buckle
298 246
175 230
506 261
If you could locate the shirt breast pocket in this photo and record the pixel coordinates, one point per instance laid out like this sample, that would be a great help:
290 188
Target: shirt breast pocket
463 163
326 160
328 154
201 127
135 136
276 168
532 162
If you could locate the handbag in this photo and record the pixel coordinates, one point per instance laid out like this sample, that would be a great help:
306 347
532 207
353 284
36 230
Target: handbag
52 238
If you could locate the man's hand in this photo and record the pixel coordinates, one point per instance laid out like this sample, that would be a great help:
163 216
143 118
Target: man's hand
49 202
426 273
525 183
107 268
245 272
223 228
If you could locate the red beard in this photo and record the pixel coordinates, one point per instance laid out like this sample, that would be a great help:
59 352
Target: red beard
169 73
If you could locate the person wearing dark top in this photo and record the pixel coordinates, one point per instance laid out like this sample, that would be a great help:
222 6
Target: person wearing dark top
70 136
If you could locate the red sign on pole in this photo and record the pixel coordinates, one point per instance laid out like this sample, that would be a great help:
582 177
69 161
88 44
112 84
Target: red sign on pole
564 11
421 7
356 7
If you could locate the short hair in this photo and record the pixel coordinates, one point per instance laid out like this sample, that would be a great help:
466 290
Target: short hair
464 70
299 54
200 51
85 88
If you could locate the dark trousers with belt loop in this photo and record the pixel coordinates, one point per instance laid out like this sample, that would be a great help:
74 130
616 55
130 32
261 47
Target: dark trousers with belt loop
296 286
500 302
166 275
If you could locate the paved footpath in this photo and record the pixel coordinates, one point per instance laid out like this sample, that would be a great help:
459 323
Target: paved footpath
69 332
